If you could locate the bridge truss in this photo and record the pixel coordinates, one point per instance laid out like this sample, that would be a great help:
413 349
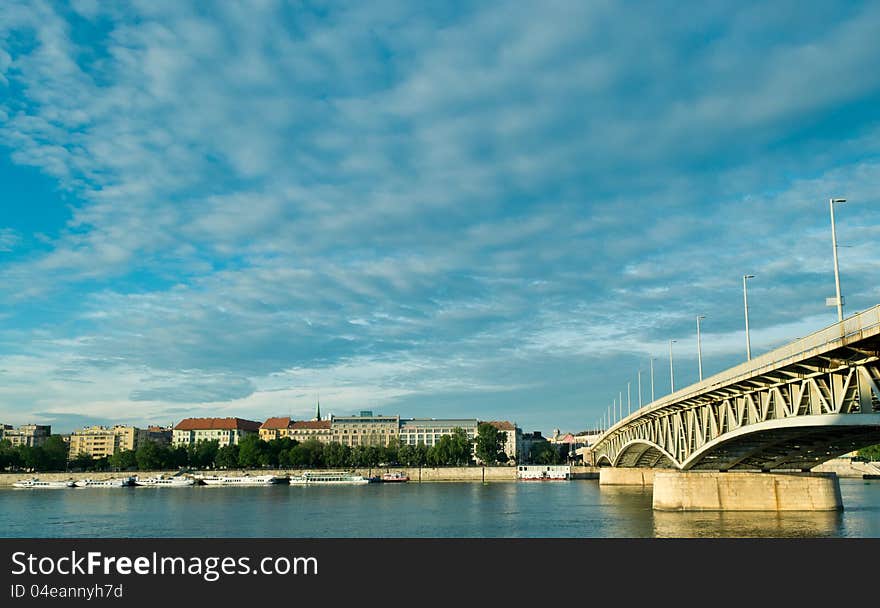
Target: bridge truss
793 408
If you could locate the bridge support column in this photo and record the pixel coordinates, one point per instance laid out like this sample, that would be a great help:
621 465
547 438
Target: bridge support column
746 491
623 476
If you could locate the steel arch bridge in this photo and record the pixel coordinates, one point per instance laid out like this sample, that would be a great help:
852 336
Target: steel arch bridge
790 409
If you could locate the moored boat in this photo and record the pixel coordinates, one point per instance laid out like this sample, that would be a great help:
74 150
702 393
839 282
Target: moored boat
41 484
161 481
395 477
327 478
119 482
243 480
543 473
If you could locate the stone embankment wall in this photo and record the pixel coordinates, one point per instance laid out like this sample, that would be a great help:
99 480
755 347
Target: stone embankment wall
424 474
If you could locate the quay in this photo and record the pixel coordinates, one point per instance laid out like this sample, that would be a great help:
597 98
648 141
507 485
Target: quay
416 474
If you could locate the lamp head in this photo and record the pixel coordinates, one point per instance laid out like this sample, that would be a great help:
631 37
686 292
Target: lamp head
838 200
748 276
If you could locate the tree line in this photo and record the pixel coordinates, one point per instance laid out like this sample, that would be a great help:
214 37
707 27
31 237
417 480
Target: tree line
252 452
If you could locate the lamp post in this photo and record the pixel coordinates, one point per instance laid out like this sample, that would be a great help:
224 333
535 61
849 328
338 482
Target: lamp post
640 388
671 370
628 401
839 300
746 307
652 379
700 347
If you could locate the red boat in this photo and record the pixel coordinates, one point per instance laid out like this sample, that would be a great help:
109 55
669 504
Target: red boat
396 477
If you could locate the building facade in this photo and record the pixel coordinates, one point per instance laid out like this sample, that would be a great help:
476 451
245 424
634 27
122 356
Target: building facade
101 441
31 435
428 431
227 431
365 429
275 428
513 438
303 430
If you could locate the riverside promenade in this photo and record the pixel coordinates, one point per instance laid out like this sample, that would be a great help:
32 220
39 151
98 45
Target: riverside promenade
416 474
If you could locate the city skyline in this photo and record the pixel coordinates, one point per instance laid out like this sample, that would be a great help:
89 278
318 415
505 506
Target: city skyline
497 211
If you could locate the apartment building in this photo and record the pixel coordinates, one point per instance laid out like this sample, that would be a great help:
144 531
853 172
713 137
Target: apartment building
227 431
100 441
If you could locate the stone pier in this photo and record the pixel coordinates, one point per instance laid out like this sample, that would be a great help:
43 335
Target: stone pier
622 476
745 491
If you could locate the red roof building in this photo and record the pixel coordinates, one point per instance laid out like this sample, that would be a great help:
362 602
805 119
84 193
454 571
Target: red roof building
227 431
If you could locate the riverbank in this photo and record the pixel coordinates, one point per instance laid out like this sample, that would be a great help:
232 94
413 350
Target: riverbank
416 474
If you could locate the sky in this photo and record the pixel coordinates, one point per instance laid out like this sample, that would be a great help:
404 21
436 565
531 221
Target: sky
493 210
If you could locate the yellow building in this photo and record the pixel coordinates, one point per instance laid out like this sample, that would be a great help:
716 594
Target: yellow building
275 428
100 441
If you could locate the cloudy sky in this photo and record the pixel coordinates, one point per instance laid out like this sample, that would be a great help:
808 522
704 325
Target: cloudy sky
491 210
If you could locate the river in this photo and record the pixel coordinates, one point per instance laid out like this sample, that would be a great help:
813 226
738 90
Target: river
574 509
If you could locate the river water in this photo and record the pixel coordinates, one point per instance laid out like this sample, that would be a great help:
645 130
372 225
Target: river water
574 509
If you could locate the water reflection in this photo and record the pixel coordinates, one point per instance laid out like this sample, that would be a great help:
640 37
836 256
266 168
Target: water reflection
747 524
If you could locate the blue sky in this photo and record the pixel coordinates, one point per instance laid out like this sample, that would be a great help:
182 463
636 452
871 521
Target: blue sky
491 210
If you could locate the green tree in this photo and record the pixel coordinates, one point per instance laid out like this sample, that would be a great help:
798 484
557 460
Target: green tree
81 461
871 452
545 453
390 454
337 455
204 453
123 460
228 457
250 451
150 456
55 450
489 443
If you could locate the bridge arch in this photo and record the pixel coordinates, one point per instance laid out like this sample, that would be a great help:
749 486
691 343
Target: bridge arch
641 453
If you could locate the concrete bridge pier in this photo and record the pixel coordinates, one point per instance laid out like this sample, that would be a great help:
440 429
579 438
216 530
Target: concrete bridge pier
625 476
745 491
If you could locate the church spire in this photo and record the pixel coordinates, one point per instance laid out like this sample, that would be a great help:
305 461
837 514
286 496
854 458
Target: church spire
318 409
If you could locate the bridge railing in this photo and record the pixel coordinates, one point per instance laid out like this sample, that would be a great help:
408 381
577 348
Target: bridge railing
818 341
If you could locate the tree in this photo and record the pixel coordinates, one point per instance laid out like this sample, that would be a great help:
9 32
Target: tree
871 452
204 453
545 453
250 451
489 443
123 460
337 455
228 457
55 450
150 456
81 461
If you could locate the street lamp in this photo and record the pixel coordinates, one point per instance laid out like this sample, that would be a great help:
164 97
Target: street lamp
628 402
700 347
652 379
839 300
640 387
671 369
746 307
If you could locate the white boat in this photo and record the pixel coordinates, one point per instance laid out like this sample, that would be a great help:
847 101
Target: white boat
543 473
327 478
161 481
104 483
37 483
243 480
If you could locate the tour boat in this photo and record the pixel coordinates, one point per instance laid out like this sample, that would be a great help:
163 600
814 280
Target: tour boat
244 480
36 483
327 478
396 477
543 473
105 483
164 482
